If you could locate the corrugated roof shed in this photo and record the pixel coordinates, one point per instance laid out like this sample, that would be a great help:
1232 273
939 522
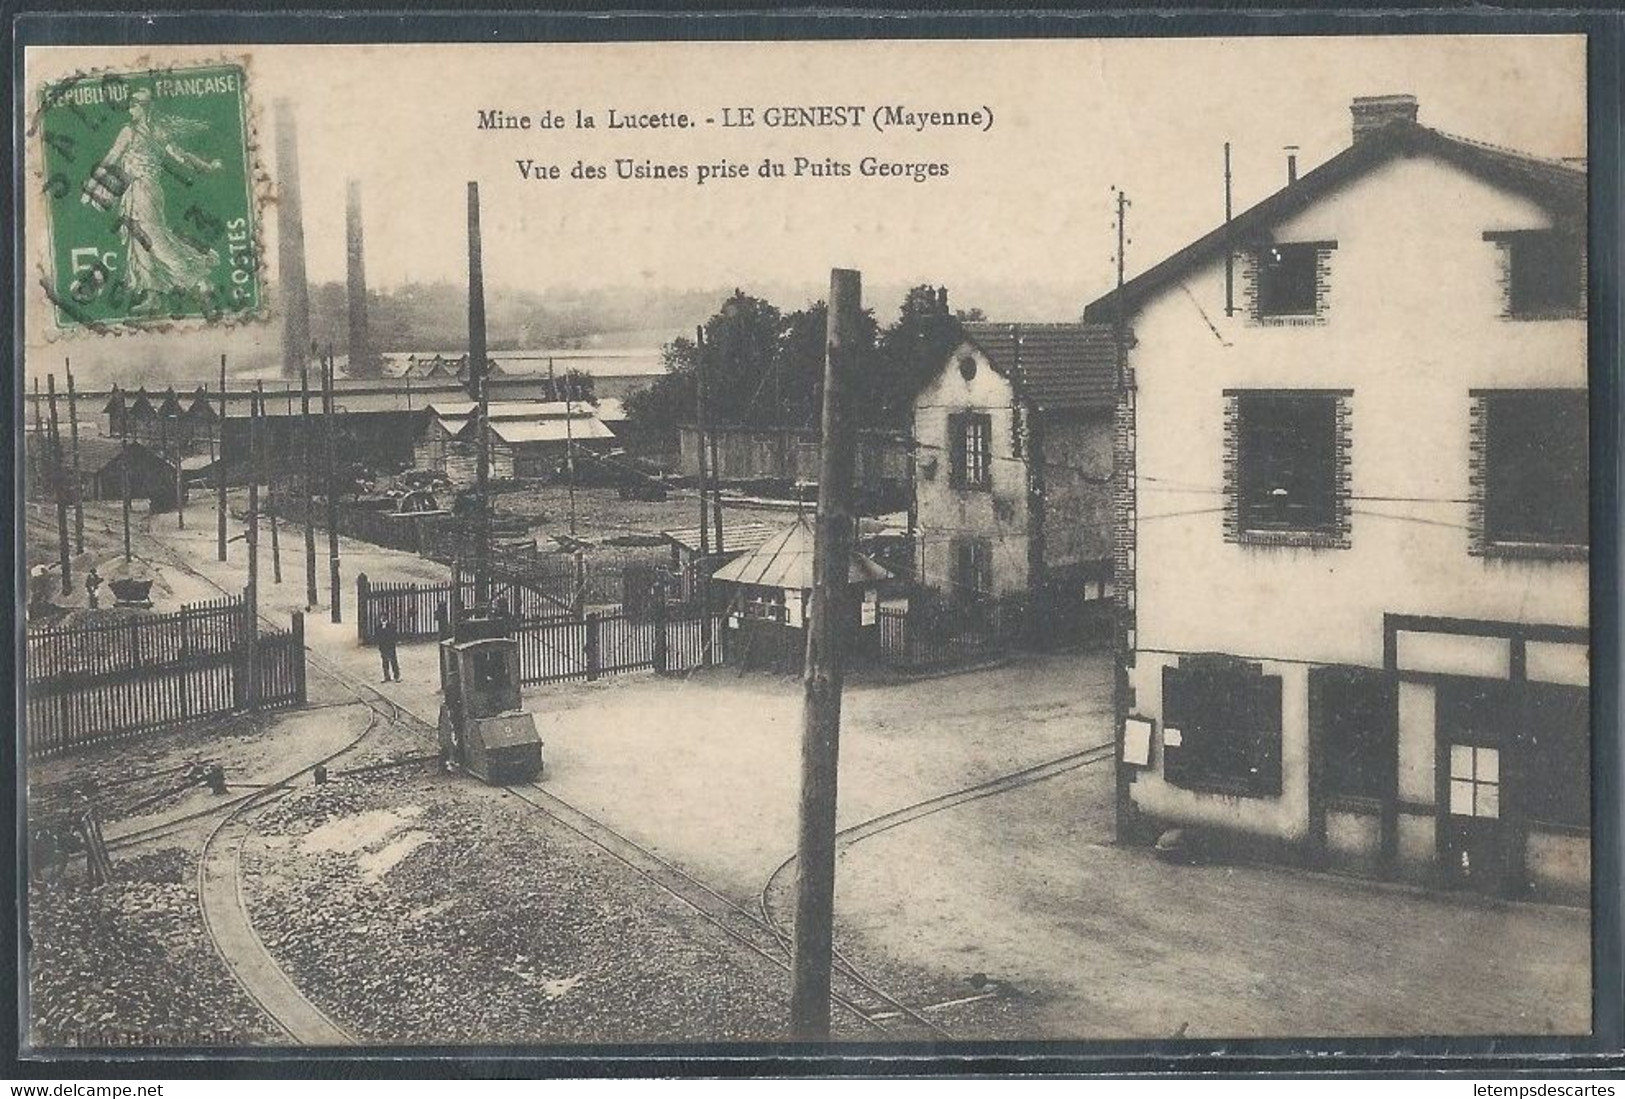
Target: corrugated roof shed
786 561
735 536
561 430
1056 366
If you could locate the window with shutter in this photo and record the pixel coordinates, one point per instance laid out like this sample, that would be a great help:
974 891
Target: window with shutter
1228 717
971 442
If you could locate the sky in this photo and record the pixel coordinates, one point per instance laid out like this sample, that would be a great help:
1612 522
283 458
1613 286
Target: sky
1027 206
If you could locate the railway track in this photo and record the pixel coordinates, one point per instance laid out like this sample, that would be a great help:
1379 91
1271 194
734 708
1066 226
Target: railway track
245 955
781 882
231 930
861 998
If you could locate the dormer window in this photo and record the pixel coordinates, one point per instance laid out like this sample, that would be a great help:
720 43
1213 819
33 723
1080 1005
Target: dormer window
1545 272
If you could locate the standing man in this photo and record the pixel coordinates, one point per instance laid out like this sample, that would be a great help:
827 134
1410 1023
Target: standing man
387 636
93 581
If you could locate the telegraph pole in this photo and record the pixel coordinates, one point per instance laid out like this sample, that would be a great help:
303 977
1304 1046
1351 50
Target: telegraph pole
570 452
1229 257
124 469
827 635
482 422
64 551
180 483
333 578
707 362
251 596
1124 506
702 566
78 481
268 467
309 479
220 471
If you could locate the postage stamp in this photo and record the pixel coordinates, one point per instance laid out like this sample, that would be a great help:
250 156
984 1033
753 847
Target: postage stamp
150 198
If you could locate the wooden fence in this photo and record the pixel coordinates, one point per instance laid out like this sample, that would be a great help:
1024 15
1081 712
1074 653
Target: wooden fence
587 648
915 641
90 684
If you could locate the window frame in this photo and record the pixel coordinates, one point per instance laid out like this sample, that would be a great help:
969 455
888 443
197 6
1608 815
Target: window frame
960 428
1287 253
1355 730
1332 530
978 552
1495 536
1255 701
1516 247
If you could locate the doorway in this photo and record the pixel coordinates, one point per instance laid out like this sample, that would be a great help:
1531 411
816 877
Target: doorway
1473 722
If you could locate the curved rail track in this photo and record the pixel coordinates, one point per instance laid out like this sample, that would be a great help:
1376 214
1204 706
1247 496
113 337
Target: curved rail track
239 946
846 837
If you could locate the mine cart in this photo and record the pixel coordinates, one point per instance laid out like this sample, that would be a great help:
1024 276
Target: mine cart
482 728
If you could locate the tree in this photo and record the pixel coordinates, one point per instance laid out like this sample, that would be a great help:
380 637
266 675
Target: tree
659 407
912 350
741 350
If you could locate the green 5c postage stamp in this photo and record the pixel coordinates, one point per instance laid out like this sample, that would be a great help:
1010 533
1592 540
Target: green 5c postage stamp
150 198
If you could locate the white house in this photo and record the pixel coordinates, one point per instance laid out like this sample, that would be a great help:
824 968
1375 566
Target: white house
1352 530
1013 461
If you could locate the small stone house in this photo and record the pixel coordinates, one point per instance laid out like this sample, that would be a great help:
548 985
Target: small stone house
1013 464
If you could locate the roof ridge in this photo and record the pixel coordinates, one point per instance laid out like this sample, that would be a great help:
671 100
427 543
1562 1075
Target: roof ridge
1507 150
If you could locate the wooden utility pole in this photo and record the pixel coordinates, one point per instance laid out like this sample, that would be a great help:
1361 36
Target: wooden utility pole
58 483
220 470
702 565
78 481
305 448
180 474
333 572
269 469
828 634
707 368
41 445
482 423
1125 513
251 596
1229 257
570 453
124 469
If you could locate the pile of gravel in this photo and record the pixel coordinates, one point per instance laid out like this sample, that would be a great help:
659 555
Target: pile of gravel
500 927
128 963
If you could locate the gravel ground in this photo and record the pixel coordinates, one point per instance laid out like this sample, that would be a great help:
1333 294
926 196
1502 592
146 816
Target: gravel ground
129 964
414 908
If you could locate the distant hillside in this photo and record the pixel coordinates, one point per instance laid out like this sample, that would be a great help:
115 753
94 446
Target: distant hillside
434 315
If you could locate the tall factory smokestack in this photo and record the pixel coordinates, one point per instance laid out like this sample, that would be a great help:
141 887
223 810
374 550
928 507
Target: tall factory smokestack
363 363
290 227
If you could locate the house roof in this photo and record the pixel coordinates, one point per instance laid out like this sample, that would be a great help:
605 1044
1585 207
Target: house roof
786 561
102 454
579 429
1055 366
735 536
1558 186
514 410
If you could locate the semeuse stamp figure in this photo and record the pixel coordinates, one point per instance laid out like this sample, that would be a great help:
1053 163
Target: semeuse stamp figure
150 191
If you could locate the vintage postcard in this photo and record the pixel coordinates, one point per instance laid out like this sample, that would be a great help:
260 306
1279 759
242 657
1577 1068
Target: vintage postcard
901 542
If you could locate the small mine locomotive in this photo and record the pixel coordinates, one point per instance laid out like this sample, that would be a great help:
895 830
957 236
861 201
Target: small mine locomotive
482 728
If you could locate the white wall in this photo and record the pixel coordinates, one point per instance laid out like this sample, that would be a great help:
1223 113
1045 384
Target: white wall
1413 322
945 512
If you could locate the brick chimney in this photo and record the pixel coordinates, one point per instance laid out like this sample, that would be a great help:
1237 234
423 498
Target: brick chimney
1373 112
